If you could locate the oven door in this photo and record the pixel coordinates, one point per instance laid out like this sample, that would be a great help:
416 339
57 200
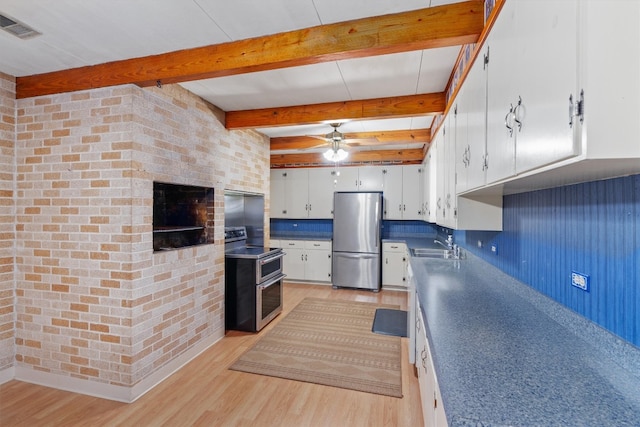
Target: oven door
268 301
269 267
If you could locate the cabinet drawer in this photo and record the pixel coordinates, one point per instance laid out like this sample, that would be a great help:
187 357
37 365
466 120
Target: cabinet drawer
273 243
394 247
284 244
317 244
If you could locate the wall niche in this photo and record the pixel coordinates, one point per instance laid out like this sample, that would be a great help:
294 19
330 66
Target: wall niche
183 215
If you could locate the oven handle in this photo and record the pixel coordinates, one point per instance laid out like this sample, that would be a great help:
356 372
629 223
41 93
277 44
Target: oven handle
272 281
272 258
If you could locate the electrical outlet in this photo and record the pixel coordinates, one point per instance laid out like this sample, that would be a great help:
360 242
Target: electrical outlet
479 243
580 280
494 249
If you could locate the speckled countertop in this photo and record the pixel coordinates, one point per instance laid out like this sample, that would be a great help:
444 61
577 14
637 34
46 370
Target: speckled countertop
504 354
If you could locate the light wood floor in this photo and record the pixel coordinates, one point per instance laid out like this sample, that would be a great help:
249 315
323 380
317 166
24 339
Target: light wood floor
206 393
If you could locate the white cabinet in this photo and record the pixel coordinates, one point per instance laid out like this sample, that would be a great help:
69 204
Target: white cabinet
394 265
471 145
545 39
531 75
346 179
412 181
289 190
318 261
322 183
432 408
371 178
308 260
403 192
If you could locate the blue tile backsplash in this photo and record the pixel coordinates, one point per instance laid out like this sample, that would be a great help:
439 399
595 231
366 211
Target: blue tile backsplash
591 228
325 226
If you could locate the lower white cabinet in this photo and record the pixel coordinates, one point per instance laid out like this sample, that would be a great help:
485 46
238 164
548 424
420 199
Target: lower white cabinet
394 265
308 260
432 408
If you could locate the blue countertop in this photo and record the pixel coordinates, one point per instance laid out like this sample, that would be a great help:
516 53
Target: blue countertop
504 354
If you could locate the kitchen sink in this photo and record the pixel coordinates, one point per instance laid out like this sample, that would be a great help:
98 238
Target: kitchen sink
433 253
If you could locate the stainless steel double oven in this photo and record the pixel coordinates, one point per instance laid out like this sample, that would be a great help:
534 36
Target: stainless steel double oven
253 282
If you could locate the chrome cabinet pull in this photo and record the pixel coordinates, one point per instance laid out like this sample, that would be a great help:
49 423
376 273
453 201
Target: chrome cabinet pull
516 114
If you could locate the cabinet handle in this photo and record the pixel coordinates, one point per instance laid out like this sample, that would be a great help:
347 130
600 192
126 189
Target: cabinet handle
423 356
309 207
576 109
516 114
305 257
506 122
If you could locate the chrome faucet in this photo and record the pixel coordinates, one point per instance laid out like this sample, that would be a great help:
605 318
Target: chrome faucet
441 244
449 242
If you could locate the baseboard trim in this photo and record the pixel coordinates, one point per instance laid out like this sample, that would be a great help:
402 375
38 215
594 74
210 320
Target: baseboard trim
7 374
109 391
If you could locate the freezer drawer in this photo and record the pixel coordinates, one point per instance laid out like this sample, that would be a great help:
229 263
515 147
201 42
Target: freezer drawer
356 270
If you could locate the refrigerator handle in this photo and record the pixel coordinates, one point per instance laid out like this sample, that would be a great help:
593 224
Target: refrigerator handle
378 215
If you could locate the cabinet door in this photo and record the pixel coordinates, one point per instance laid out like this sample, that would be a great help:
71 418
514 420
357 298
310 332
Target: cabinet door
394 269
425 375
345 179
462 143
438 173
501 96
297 193
318 265
278 207
432 160
393 192
412 192
545 59
321 185
426 185
293 265
475 97
371 178
449 171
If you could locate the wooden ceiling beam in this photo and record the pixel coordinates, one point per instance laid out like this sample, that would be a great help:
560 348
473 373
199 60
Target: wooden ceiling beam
411 156
440 26
362 139
378 108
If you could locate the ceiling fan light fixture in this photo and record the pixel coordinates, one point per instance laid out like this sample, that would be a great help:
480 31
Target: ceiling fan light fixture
335 155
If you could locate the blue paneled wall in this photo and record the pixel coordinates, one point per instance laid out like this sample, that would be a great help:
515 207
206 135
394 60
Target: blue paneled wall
591 228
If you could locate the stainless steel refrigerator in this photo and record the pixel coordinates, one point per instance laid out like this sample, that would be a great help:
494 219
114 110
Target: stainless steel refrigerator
357 224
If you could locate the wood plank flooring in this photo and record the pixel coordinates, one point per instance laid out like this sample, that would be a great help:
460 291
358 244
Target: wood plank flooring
206 393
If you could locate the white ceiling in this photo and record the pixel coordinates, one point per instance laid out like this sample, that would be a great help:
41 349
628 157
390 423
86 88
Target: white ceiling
77 33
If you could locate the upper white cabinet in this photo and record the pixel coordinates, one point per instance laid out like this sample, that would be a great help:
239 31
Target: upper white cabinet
289 193
563 95
371 178
546 57
471 146
412 183
532 61
308 192
608 86
322 182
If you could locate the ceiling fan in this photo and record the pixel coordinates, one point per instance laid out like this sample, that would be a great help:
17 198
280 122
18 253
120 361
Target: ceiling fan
337 142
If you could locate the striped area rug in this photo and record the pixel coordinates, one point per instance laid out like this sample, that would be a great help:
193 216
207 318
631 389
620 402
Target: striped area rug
329 342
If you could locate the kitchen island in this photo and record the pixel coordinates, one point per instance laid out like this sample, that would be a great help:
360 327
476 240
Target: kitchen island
505 354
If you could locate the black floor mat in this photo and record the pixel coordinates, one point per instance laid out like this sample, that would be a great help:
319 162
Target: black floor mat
390 322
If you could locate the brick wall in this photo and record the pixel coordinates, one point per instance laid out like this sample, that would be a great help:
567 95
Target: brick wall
7 220
94 302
